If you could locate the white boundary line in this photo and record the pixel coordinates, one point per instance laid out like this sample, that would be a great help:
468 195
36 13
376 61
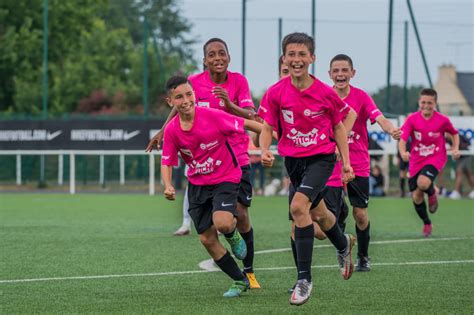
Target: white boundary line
209 264
171 273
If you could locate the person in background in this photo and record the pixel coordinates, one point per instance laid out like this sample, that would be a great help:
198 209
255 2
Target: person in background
376 182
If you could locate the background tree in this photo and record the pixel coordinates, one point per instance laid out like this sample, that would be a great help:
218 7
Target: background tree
95 51
397 99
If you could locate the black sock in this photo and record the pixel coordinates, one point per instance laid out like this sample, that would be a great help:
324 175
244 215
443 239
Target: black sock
229 235
422 213
304 239
229 266
402 186
248 260
430 191
337 238
363 239
293 250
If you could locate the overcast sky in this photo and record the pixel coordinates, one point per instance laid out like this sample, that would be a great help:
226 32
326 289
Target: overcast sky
358 28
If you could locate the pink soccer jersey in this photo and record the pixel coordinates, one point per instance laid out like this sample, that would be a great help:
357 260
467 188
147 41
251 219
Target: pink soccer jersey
358 140
307 118
428 145
204 147
239 93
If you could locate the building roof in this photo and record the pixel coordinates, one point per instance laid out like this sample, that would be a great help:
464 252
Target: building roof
465 82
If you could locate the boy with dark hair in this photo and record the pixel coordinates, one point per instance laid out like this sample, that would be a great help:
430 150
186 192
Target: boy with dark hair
427 156
214 174
221 89
341 71
308 113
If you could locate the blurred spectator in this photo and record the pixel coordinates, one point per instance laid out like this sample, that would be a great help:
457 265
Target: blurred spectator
376 182
463 167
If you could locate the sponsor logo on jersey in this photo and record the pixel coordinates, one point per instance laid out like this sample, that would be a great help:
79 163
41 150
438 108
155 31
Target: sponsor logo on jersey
304 139
209 146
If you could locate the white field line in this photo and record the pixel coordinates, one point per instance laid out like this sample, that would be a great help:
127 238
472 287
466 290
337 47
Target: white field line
213 269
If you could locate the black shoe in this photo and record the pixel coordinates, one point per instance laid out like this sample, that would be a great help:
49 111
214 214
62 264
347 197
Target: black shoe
363 264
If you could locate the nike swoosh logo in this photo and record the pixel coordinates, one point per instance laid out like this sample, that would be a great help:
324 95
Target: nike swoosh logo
304 186
249 198
51 136
129 135
226 204
428 173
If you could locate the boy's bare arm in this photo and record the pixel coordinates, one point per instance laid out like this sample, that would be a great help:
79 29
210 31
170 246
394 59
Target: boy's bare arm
156 140
166 172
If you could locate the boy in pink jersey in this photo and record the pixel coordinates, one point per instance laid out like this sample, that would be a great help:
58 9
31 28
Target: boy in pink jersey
214 174
341 71
427 156
309 115
218 88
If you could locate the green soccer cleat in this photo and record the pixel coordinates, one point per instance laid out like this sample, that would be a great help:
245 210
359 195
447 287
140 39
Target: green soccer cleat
236 289
238 246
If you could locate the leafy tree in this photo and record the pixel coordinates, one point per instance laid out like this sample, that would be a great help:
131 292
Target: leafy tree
397 99
95 48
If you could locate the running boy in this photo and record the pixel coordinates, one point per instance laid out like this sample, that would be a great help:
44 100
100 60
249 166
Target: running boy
427 156
214 174
218 88
341 71
308 113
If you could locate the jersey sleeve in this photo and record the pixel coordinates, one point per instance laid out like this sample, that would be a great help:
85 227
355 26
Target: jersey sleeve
262 110
340 108
270 103
449 128
229 124
244 98
407 128
373 112
169 155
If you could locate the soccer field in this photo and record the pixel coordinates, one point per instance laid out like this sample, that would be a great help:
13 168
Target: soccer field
116 254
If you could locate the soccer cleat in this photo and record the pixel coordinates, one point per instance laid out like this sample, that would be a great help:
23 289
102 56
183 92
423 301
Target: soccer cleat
455 195
238 246
432 203
253 283
427 228
363 264
236 289
182 231
471 194
302 292
346 265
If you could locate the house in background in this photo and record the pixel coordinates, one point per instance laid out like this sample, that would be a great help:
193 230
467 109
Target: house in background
455 91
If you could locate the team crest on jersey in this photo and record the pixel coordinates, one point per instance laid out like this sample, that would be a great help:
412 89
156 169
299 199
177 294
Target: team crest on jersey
433 134
304 139
417 135
288 116
187 152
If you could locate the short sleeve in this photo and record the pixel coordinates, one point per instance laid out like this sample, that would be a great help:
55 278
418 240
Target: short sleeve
449 128
371 108
271 108
407 128
169 156
244 97
229 124
340 108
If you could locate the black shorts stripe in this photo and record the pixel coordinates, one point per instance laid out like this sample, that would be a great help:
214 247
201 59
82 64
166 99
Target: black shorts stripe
234 159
